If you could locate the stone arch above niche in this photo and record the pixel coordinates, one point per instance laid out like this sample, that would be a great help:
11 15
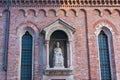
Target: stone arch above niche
59 24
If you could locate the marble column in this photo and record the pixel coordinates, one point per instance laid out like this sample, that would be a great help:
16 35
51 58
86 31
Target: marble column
70 54
47 53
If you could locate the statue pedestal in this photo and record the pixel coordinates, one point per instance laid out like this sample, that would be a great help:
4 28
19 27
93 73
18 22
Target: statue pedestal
59 67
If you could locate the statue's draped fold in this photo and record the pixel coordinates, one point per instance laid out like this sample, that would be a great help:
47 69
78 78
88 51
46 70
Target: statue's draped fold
58 57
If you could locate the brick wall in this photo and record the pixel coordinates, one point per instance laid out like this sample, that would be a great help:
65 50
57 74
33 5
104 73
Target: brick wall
84 19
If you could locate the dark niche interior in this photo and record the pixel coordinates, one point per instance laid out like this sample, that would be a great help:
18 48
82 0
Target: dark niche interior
61 37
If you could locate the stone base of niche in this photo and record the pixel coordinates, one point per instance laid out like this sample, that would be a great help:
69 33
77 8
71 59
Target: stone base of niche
58 74
58 71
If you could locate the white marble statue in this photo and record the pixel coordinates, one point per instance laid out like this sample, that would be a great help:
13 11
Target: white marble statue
58 57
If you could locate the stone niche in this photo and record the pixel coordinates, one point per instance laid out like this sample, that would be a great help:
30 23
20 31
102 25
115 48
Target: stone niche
58 56
59 51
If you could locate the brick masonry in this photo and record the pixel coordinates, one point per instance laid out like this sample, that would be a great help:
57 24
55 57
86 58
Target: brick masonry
85 56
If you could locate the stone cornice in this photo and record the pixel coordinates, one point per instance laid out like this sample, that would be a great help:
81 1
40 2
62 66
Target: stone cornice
63 3
54 71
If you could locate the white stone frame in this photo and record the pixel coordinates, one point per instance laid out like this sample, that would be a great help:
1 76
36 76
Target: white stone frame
69 30
63 26
21 32
109 32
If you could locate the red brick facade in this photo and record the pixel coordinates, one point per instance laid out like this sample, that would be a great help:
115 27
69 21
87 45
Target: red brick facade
85 19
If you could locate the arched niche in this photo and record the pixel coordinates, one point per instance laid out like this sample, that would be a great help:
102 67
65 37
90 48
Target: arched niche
61 37
62 32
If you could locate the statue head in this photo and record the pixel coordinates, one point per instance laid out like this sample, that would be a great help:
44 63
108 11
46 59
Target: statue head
58 44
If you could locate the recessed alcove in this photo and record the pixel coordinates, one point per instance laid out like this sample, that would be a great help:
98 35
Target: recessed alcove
61 37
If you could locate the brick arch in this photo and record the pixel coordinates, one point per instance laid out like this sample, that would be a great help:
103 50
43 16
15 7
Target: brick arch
108 11
24 12
4 12
43 11
116 11
74 12
27 26
105 23
62 10
32 11
83 10
53 12
98 11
